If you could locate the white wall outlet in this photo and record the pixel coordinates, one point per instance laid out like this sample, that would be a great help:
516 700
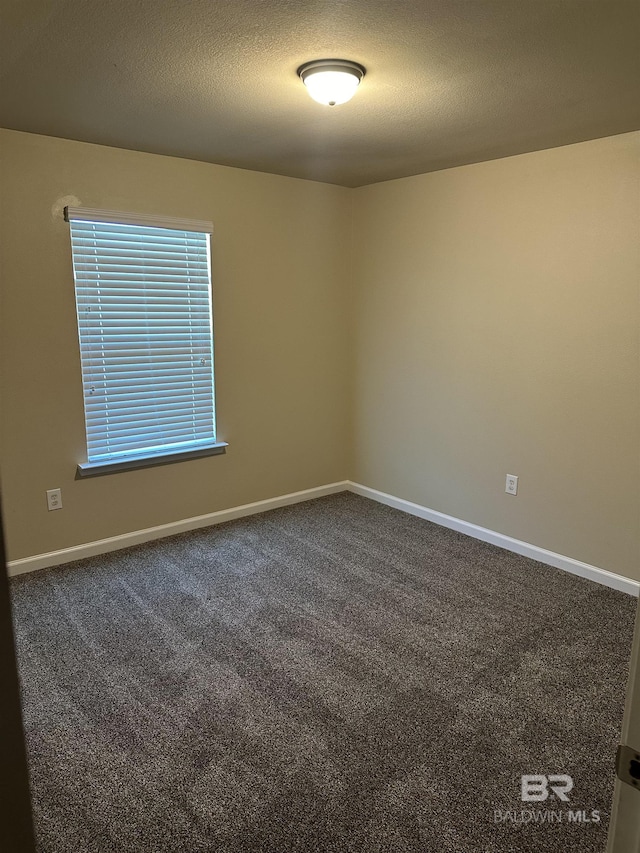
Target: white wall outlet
54 499
511 487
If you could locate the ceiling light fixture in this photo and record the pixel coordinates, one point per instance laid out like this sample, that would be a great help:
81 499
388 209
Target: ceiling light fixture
331 81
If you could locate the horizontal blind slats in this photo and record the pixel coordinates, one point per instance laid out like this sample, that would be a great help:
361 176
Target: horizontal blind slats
143 297
143 379
149 427
172 399
147 294
139 422
130 246
115 403
120 218
115 342
162 449
137 349
136 443
108 326
120 277
130 375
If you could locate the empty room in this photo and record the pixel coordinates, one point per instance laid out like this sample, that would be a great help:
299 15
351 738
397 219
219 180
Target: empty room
320 426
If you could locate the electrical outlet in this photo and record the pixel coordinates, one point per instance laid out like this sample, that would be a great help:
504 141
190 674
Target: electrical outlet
54 499
511 487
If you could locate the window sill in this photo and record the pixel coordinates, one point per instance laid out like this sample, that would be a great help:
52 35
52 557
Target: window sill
95 469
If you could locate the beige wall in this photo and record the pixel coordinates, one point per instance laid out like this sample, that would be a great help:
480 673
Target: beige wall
424 337
497 331
280 265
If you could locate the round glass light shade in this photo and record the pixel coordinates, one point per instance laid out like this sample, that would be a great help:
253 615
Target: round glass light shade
331 81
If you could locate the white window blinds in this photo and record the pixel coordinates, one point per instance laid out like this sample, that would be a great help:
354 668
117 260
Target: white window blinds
143 296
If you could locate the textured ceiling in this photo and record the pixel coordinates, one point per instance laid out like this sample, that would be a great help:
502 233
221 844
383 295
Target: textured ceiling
448 81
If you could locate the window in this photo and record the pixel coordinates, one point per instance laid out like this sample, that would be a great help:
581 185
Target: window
143 298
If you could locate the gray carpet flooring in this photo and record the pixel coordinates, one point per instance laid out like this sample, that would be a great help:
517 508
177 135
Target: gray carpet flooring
331 676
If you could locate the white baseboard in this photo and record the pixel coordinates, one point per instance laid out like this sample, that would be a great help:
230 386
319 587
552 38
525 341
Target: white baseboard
525 549
115 543
550 558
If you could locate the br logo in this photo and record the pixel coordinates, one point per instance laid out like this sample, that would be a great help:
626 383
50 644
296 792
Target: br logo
536 789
